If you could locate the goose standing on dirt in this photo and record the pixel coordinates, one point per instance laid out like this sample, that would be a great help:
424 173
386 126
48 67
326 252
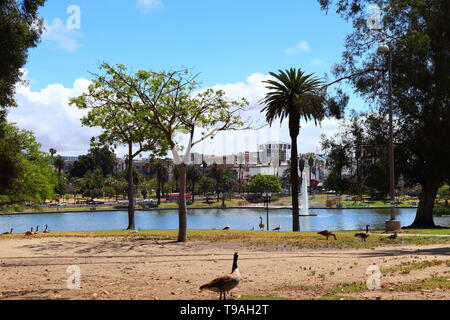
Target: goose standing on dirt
29 232
327 234
363 235
8 232
261 224
277 228
46 229
225 283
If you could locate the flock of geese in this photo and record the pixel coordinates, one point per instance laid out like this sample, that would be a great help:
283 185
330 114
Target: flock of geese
31 231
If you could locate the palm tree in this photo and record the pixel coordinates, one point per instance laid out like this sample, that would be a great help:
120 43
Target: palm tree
52 152
311 165
193 175
59 164
160 169
294 95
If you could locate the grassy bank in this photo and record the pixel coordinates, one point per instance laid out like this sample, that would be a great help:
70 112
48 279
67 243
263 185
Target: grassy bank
307 239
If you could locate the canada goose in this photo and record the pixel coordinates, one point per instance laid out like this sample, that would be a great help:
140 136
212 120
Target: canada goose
252 229
393 236
327 234
46 229
37 230
277 228
29 232
225 283
363 235
226 228
8 232
261 224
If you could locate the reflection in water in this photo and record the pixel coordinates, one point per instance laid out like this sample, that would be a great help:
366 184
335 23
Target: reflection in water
239 219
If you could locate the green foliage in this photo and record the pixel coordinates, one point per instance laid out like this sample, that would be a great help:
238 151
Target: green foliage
25 173
263 183
92 183
21 29
98 157
444 192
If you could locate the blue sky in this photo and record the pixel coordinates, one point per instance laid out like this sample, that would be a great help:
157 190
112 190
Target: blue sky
224 40
232 44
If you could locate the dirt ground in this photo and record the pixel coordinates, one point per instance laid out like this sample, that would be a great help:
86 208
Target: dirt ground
36 268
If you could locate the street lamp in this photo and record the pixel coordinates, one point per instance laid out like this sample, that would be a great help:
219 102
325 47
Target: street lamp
392 224
267 197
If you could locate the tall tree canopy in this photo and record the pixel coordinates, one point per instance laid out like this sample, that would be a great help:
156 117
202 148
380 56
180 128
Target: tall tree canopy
110 103
419 43
20 29
25 171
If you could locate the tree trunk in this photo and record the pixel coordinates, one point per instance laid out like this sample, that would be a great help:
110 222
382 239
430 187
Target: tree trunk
294 128
182 208
131 225
424 215
158 193
193 190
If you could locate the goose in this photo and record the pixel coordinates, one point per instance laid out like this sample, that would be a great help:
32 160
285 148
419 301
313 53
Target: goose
363 235
277 228
252 229
8 232
29 232
393 236
46 229
327 234
225 283
226 228
37 230
261 224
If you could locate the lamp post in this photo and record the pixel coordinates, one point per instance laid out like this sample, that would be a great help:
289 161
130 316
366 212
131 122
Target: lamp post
267 197
392 224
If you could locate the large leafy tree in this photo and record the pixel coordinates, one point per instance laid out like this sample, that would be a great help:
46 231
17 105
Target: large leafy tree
294 95
264 183
20 29
99 156
24 174
110 103
168 103
419 42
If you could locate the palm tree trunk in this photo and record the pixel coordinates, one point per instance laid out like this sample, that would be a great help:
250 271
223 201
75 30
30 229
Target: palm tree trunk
182 208
294 128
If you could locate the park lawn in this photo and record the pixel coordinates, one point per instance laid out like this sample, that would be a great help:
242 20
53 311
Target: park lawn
306 239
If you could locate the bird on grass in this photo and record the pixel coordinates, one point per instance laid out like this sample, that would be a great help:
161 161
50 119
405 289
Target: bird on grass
393 236
225 283
226 228
29 232
10 232
327 234
37 230
46 229
261 224
277 228
363 235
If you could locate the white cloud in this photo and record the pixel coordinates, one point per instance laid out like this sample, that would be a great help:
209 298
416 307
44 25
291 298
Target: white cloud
300 47
55 124
149 5
58 33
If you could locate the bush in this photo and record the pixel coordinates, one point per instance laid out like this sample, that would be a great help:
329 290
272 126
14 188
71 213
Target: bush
440 211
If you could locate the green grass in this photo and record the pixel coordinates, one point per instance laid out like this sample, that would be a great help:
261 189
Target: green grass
305 239
434 282
407 267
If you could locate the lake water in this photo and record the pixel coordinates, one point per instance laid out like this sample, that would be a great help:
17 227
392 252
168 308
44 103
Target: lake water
238 219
